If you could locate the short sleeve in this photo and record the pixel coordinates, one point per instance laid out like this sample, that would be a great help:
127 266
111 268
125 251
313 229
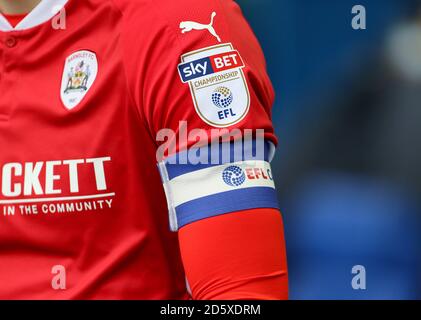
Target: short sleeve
196 61
197 67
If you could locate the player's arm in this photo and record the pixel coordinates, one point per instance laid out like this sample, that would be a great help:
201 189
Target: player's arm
227 216
240 255
230 228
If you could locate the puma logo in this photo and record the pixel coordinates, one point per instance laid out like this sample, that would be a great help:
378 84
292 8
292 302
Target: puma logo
187 26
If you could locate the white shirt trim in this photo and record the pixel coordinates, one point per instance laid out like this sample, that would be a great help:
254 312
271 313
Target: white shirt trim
43 12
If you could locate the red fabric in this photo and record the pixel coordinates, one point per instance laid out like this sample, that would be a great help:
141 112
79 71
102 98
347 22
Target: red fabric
119 250
236 256
106 222
156 84
14 19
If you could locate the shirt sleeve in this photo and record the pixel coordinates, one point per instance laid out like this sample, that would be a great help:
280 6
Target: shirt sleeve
238 256
198 79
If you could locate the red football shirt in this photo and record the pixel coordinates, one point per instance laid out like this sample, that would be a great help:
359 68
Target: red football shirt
84 92
14 19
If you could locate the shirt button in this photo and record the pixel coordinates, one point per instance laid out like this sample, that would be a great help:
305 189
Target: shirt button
10 42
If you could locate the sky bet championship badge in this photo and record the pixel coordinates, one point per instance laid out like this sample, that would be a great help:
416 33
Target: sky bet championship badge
79 74
217 84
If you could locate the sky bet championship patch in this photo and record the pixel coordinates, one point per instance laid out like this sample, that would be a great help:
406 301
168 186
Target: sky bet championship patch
217 84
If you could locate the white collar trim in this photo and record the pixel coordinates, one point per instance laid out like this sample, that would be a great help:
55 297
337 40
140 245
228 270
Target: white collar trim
43 12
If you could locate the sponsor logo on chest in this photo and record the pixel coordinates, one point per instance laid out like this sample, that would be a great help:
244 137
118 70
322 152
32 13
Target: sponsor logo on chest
57 186
40 178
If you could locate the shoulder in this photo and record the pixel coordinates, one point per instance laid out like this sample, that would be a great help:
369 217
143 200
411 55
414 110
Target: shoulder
174 8
171 12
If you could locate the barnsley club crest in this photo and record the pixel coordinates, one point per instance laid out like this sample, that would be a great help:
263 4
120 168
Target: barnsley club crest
79 74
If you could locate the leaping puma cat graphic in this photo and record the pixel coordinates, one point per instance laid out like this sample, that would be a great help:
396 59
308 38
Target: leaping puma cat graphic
187 26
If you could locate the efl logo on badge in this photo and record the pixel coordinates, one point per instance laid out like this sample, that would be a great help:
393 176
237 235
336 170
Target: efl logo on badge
217 84
79 74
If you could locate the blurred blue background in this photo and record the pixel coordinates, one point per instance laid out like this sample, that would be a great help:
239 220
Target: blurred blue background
348 118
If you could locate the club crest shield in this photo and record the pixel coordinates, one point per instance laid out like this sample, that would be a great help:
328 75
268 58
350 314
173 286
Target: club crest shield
217 84
79 74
